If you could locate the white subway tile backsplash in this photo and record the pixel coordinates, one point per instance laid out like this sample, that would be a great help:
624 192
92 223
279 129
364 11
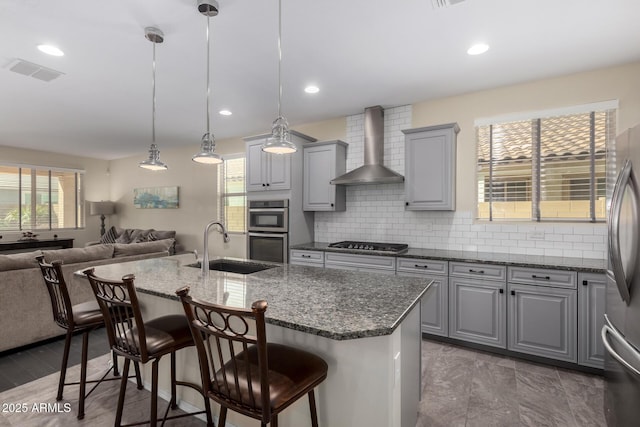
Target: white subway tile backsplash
376 212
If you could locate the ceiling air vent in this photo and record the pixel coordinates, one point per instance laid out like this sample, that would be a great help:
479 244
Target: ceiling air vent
439 4
36 71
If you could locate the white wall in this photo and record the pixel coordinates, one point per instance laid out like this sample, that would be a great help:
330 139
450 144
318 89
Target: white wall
376 212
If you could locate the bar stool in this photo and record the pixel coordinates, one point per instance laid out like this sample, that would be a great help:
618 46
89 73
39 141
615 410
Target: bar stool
82 318
255 378
141 342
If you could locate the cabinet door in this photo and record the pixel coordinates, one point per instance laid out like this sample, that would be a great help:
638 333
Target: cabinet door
319 170
434 305
278 171
256 173
592 290
430 168
542 321
477 311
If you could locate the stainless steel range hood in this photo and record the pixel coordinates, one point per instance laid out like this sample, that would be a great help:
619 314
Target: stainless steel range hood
373 171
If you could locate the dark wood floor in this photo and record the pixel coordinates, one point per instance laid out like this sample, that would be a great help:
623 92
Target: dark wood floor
30 363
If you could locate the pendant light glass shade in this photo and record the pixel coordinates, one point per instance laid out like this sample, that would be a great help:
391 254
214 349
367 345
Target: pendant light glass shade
206 155
153 163
280 141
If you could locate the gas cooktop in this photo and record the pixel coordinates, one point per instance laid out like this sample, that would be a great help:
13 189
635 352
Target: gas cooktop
395 248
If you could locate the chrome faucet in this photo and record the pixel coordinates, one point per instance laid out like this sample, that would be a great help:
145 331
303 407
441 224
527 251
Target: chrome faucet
205 255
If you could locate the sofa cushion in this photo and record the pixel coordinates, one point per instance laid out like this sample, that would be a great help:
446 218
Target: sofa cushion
19 261
74 255
123 249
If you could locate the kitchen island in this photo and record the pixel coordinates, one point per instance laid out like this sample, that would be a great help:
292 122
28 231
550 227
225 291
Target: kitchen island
366 327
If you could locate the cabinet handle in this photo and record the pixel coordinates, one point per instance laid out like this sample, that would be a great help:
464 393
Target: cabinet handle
585 283
541 277
331 204
264 185
305 256
421 266
476 271
267 184
513 292
501 291
406 203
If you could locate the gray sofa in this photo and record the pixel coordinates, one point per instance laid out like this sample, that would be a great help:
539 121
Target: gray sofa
135 235
25 307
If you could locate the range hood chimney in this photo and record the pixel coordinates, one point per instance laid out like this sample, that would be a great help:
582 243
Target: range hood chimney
373 171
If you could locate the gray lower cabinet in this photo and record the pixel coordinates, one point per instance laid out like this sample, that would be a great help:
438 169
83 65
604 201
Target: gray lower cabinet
306 257
435 303
543 312
591 307
477 306
364 263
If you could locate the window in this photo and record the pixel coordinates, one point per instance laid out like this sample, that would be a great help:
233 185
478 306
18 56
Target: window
38 198
549 167
233 195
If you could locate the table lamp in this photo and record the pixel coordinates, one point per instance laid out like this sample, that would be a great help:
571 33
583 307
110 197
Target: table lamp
102 209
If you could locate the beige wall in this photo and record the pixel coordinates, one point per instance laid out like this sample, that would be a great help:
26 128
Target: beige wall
621 83
96 187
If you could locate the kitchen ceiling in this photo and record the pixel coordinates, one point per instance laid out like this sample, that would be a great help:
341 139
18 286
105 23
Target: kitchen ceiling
358 52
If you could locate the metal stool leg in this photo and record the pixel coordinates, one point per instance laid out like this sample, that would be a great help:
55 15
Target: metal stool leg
222 418
136 366
65 360
314 412
116 372
154 393
123 390
173 403
83 373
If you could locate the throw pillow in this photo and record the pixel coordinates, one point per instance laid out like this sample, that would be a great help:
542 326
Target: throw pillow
125 237
110 236
139 236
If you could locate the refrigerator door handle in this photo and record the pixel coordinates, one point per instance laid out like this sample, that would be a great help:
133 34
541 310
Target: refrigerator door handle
614 230
609 329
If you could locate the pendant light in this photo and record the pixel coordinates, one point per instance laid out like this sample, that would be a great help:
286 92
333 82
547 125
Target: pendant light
153 163
280 142
206 155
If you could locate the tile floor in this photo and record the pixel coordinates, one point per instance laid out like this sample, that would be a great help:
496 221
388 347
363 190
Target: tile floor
464 387
461 387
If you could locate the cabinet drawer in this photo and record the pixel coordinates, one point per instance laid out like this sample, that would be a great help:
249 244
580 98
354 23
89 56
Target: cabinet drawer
543 277
307 257
360 261
422 266
478 270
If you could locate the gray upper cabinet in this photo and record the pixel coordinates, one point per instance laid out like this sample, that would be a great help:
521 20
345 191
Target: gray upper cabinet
477 306
323 161
591 307
430 167
266 171
543 319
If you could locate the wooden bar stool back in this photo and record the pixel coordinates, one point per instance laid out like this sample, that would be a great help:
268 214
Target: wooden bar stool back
84 317
139 341
242 371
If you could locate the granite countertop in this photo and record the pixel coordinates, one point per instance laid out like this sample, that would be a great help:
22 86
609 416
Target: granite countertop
536 261
335 304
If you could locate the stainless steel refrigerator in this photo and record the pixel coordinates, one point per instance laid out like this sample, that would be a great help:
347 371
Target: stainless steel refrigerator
621 330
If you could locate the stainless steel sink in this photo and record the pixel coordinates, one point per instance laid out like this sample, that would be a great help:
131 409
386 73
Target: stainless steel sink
231 266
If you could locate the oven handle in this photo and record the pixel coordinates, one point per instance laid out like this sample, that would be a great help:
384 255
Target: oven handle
251 210
281 235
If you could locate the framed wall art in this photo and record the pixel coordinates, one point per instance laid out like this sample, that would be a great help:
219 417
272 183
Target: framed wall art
155 198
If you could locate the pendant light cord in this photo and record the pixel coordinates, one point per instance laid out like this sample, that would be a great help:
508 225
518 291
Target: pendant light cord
153 110
279 57
208 85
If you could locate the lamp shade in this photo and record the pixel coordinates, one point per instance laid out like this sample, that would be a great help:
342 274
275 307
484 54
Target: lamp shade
101 208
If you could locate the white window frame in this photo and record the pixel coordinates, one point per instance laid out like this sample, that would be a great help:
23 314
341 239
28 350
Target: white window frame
223 196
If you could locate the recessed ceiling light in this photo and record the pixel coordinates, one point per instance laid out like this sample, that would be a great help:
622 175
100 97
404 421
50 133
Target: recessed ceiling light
478 49
312 89
50 50
225 112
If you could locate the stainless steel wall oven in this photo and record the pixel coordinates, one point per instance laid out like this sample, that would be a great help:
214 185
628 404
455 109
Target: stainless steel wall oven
268 227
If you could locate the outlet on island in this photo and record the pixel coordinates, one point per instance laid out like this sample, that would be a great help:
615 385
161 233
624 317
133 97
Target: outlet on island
55 236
